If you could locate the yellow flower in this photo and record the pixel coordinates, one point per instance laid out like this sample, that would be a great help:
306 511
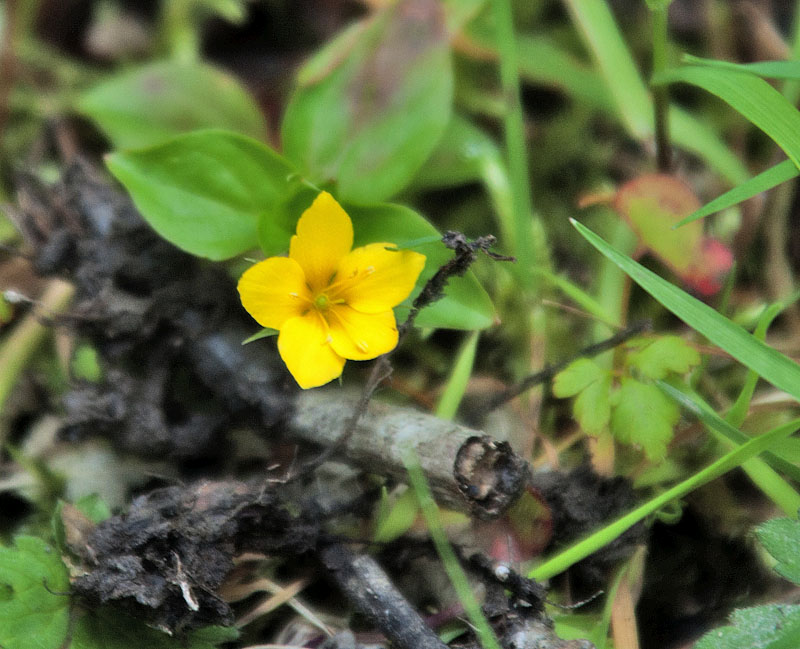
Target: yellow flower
330 303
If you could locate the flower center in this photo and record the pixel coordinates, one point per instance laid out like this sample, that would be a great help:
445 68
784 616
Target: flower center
321 302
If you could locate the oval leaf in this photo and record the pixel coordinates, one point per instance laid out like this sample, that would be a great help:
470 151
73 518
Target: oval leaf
370 108
158 101
205 191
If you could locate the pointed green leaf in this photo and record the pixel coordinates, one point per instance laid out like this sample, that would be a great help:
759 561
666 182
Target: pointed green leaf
205 191
769 69
764 181
370 108
157 101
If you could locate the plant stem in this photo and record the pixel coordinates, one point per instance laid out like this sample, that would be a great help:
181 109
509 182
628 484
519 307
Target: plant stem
514 127
661 92
17 349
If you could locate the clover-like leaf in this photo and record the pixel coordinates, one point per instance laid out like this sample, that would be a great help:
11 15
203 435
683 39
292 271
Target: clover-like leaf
775 626
654 359
643 416
577 376
34 609
592 407
781 538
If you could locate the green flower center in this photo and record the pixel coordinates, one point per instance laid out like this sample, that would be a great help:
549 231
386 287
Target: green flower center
321 302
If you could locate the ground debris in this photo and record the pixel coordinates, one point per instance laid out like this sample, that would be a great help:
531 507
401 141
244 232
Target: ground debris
164 560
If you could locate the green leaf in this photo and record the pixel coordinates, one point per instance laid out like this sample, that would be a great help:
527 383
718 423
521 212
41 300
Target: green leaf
155 102
769 69
456 385
266 332
592 407
85 363
656 358
370 107
205 191
615 62
644 417
771 365
781 538
774 626
764 181
113 630
34 606
395 519
752 97
94 507
577 376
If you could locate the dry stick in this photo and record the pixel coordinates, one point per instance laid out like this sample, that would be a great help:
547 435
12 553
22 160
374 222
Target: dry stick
550 371
369 588
466 252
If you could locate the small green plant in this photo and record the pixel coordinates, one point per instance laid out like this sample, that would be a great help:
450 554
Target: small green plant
625 402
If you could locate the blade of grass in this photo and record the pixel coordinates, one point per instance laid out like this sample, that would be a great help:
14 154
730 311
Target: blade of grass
738 411
766 69
750 96
457 382
764 181
514 130
615 62
759 471
772 366
445 551
602 537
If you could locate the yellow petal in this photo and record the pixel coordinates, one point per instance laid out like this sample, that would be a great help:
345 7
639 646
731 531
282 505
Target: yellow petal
373 279
361 336
274 290
324 236
304 346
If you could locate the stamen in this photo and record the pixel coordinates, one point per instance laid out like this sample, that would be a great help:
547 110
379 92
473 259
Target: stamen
294 295
370 270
